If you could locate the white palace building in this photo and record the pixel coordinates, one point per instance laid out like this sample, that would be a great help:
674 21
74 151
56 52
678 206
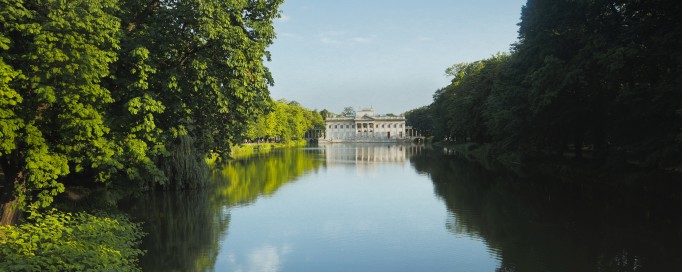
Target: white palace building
365 126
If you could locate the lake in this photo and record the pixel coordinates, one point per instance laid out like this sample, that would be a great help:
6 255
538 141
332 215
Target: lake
374 207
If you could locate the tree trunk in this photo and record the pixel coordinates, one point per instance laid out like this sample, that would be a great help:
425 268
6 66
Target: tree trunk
9 204
10 212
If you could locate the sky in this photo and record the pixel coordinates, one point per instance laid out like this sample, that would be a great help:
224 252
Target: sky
387 54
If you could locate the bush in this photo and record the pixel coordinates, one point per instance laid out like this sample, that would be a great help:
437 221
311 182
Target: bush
59 241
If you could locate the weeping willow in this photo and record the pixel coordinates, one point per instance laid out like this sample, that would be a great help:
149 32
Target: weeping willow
185 168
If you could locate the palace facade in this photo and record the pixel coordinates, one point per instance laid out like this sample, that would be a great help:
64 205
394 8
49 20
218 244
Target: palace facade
366 126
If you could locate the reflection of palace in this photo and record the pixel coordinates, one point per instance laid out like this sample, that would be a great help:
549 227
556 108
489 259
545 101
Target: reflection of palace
370 153
365 126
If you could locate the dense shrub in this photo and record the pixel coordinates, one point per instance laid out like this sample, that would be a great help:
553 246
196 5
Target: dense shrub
59 241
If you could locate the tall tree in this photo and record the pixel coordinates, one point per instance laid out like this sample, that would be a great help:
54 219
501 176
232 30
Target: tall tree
138 89
54 56
421 119
197 71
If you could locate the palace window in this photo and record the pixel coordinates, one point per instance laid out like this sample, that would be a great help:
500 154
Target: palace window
336 126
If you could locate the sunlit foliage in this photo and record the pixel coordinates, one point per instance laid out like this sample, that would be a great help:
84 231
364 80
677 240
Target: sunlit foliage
70 242
285 122
117 89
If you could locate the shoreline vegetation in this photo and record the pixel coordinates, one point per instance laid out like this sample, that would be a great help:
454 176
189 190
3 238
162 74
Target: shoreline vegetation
248 149
567 167
102 100
596 81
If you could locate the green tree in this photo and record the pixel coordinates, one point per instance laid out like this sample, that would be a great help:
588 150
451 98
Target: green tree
460 108
201 74
584 75
348 111
599 73
54 56
135 89
325 113
286 121
421 119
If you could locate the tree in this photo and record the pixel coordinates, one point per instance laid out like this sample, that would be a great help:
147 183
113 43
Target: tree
596 74
206 69
599 73
286 121
55 56
348 111
459 110
325 113
421 119
110 88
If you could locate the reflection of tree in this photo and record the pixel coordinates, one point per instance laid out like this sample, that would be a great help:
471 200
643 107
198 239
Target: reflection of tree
551 225
242 181
184 228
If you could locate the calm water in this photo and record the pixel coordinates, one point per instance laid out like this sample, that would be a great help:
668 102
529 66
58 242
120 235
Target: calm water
403 208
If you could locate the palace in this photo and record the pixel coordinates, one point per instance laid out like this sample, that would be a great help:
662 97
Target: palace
365 126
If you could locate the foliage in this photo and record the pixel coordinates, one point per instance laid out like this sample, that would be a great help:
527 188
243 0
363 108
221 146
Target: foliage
597 76
459 110
186 168
107 89
58 241
54 56
247 150
325 113
420 119
285 122
348 111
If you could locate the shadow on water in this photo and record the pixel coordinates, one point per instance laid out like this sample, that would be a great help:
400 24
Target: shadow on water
184 228
544 224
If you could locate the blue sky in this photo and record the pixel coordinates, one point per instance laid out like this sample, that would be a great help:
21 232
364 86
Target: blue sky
390 55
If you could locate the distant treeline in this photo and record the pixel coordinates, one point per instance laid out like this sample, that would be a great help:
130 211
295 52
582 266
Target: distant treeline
603 77
285 122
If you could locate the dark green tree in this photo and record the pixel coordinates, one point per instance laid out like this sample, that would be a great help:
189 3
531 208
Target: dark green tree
421 119
325 113
348 111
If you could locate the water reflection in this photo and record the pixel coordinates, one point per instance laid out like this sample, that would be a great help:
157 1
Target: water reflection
545 224
392 220
184 228
369 153
243 181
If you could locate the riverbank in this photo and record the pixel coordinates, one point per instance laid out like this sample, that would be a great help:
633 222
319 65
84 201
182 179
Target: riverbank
248 149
